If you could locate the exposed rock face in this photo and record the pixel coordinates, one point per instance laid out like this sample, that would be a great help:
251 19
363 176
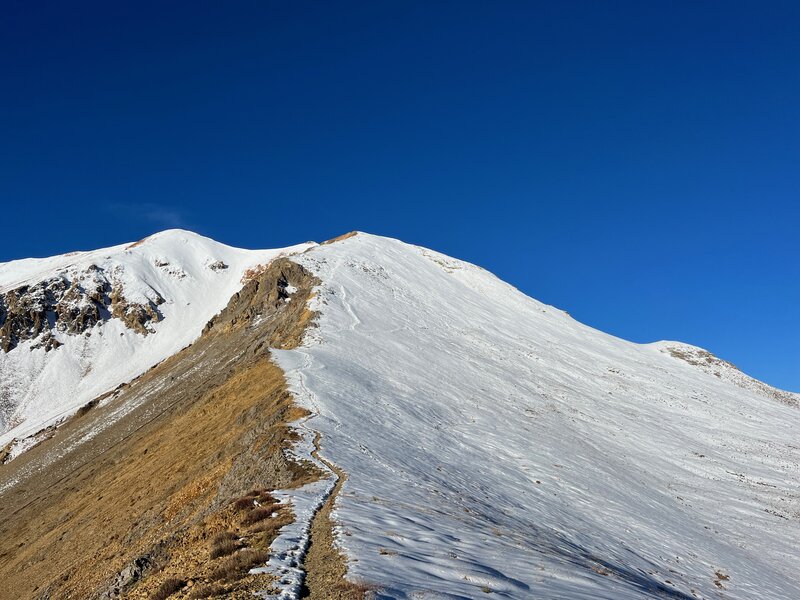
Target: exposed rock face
69 304
267 291
135 316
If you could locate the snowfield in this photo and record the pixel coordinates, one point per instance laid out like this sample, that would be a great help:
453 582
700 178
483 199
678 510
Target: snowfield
194 275
497 448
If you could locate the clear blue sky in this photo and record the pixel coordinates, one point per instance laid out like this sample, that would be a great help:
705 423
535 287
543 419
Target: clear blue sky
635 163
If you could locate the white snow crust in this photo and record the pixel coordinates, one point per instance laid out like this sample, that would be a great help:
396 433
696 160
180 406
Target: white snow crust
182 267
496 448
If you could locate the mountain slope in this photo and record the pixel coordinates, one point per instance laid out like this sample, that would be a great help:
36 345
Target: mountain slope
137 491
492 446
493 443
75 326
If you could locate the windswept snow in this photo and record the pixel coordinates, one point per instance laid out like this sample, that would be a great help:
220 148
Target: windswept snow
195 277
497 448
494 446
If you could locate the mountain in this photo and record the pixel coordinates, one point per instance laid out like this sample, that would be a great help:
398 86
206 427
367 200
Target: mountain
363 418
111 314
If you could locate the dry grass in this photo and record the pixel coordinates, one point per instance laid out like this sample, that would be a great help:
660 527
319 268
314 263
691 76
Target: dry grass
224 536
237 564
154 483
267 530
255 515
136 244
84 410
339 238
167 588
224 548
353 589
254 499
243 503
256 506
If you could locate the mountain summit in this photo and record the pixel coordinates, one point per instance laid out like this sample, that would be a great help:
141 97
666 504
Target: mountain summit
364 417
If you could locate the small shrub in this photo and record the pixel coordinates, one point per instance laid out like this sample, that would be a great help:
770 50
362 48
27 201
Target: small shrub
223 536
252 499
257 514
224 548
167 588
238 563
243 503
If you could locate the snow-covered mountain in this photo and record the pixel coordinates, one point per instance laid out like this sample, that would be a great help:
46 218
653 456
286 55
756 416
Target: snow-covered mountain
468 440
75 326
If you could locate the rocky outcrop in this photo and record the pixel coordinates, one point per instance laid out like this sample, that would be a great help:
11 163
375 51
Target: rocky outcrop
722 369
69 304
135 316
127 577
268 291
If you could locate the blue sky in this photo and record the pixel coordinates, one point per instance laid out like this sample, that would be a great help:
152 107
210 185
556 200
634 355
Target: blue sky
634 163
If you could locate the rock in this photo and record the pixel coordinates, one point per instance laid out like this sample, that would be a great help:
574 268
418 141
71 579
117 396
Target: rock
71 304
5 452
127 577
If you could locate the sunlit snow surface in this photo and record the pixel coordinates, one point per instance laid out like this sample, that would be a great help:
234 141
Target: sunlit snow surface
179 265
497 448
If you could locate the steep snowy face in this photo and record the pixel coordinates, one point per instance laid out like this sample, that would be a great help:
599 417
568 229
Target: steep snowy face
73 327
493 444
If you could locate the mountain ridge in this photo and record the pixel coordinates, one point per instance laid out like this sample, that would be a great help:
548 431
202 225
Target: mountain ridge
137 304
493 444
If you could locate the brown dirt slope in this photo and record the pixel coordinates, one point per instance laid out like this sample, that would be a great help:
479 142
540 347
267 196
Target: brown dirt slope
164 489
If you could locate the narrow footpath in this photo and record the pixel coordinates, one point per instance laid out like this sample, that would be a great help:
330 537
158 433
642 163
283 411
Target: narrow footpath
325 566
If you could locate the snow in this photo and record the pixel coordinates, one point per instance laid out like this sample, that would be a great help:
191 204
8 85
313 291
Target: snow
495 447
44 387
